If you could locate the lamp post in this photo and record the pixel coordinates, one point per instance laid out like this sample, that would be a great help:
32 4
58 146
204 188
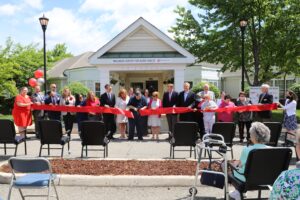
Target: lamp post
243 24
44 23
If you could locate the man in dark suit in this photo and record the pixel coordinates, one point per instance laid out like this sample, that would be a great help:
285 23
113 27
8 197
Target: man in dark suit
53 99
136 103
37 98
265 98
186 98
108 99
170 99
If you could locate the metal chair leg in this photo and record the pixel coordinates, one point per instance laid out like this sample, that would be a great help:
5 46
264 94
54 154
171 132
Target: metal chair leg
231 153
190 151
23 198
49 189
9 192
85 151
25 146
259 194
170 151
69 146
40 150
106 150
173 152
55 190
16 150
82 151
48 149
5 148
195 153
62 151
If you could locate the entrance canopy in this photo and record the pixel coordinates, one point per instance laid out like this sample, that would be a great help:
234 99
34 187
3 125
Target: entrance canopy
144 48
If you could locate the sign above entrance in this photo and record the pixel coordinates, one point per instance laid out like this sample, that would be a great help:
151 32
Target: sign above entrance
141 60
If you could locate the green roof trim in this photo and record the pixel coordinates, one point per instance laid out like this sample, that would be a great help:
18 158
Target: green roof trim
164 54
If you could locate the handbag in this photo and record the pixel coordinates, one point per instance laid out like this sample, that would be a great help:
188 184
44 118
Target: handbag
212 179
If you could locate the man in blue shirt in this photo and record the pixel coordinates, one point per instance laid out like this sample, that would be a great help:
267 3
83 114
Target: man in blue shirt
136 103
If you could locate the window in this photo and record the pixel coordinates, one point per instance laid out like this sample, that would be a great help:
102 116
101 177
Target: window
97 89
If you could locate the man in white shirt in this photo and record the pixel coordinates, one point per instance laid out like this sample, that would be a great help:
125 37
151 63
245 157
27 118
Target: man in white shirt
206 91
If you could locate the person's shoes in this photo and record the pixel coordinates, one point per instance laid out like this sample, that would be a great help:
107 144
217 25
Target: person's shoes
130 139
235 195
141 139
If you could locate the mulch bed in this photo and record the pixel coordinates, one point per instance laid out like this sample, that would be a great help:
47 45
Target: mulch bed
124 167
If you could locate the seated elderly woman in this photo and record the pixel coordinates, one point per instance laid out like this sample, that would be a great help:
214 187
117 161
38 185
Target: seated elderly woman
287 185
259 135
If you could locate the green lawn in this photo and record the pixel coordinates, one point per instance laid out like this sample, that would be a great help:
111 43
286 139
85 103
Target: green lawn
277 116
5 116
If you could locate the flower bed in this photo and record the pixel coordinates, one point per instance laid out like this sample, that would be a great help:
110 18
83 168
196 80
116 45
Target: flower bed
124 167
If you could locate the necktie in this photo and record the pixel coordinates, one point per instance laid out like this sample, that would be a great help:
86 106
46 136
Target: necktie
170 96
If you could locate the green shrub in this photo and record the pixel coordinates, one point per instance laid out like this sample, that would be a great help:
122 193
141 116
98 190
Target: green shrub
77 88
295 88
199 87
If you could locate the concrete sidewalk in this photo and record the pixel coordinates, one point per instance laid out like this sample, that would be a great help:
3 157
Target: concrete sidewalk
128 193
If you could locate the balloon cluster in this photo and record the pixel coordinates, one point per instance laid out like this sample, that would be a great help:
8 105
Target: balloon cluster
38 78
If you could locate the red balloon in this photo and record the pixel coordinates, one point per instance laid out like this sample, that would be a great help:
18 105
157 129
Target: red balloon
38 73
32 82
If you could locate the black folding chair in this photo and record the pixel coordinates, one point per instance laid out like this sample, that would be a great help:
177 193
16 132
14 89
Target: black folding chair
51 133
185 134
38 175
227 130
8 136
262 168
275 128
93 133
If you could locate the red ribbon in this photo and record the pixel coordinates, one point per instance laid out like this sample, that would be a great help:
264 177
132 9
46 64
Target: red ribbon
145 112
84 109
178 110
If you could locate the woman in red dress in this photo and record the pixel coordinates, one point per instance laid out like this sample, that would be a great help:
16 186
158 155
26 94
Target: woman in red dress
21 111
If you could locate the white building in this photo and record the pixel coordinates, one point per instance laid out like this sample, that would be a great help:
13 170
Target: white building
140 56
231 83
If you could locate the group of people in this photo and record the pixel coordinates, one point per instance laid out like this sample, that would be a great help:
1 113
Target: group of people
287 184
135 100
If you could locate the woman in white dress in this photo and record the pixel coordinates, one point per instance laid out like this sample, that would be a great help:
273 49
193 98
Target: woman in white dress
121 102
154 120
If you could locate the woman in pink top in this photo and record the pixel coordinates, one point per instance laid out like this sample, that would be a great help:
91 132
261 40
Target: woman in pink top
226 116
92 100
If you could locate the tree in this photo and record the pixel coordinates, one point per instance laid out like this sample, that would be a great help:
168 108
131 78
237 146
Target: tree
59 52
77 88
18 62
271 40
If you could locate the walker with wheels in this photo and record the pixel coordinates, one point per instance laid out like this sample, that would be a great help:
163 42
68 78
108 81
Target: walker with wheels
211 142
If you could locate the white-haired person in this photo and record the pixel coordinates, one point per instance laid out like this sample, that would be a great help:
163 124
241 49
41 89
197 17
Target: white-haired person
209 118
287 185
265 98
259 135
207 91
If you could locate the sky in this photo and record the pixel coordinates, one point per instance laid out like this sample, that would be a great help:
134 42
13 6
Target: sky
84 25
